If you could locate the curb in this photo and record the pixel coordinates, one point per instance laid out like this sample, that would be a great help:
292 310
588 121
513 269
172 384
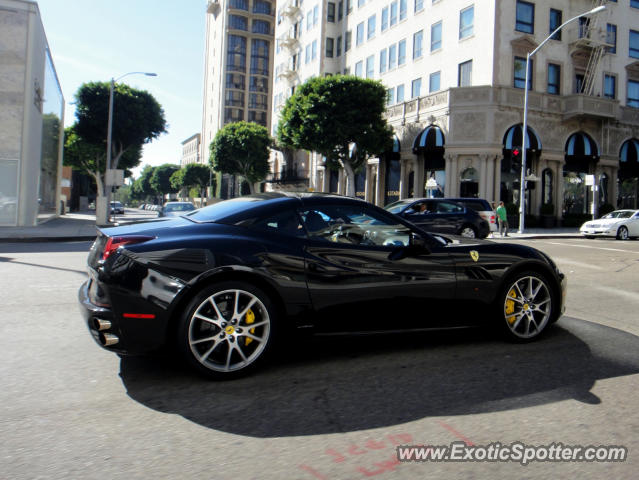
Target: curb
78 238
537 236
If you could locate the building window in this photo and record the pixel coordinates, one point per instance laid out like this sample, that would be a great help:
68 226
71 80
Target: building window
309 20
610 86
390 96
371 27
554 78
520 73
634 3
579 83
555 23
434 82
314 50
233 115
633 94
237 22
360 3
466 20
329 47
258 84
525 17
402 13
338 49
359 38
393 13
261 26
330 12
258 101
400 93
384 18
415 88
611 37
436 36
307 54
370 66
349 6
235 80
239 4
417 44
419 5
262 6
340 10
259 56
465 74
236 54
234 99
401 53
359 67
634 44
347 41
392 57
382 60
257 117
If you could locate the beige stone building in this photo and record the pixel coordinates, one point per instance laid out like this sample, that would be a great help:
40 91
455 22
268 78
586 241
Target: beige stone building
455 74
237 71
191 150
31 119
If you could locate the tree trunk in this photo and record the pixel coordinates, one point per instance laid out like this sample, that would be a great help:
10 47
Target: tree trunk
350 177
101 206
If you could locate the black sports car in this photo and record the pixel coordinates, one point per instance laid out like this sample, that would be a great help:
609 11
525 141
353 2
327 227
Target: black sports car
226 281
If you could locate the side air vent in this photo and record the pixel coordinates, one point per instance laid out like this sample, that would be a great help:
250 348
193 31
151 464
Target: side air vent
477 273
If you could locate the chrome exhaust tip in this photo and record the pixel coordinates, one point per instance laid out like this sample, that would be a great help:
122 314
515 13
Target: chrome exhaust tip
100 324
108 339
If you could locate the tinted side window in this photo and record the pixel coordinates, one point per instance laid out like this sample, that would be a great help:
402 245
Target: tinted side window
287 223
354 224
477 206
446 207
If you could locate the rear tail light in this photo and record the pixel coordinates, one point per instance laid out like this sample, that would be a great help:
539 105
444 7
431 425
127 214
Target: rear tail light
113 243
492 219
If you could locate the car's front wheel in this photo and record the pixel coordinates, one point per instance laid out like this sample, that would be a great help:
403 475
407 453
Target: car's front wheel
622 233
525 305
227 329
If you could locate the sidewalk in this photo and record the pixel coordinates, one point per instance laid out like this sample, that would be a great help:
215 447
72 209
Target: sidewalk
81 227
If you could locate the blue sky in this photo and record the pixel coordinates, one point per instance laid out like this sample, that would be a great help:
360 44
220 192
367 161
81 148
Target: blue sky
92 40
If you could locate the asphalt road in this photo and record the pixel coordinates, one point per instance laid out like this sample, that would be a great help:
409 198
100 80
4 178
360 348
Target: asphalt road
330 408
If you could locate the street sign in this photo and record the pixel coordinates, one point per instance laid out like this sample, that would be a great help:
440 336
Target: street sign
114 178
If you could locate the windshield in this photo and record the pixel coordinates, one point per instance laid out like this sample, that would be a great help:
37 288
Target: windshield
619 214
179 207
224 209
398 206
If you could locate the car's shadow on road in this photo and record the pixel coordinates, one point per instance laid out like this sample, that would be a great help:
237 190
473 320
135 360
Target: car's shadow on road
332 385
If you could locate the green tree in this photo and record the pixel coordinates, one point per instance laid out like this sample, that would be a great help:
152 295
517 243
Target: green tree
329 114
242 148
137 119
142 189
193 175
160 180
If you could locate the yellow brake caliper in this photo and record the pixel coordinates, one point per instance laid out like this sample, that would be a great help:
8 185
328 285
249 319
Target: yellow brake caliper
510 307
250 318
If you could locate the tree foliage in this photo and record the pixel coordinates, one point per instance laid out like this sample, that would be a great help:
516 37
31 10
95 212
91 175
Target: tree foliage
242 148
193 175
329 114
142 189
160 180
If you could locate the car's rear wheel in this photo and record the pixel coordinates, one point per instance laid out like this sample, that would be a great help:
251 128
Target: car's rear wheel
526 305
468 231
227 329
622 233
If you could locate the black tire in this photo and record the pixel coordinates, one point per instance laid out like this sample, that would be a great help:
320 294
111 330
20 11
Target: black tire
220 348
468 231
622 233
589 236
522 314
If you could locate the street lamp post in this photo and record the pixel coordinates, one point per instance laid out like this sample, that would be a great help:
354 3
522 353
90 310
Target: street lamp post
110 135
524 128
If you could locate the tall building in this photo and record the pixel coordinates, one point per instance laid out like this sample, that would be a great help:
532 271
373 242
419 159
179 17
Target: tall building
31 119
238 73
455 73
191 150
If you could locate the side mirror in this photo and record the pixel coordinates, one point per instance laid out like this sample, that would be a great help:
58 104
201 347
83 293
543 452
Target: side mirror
418 246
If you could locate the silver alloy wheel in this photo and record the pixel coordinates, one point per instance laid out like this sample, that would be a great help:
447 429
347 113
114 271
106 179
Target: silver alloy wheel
468 232
229 330
527 307
622 233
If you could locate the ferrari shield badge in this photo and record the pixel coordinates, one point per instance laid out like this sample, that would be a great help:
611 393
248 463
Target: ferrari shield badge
474 254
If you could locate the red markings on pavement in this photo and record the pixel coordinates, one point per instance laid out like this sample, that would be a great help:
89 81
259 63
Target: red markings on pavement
456 433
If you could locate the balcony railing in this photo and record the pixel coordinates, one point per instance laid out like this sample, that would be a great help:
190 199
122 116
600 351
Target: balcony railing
287 176
291 8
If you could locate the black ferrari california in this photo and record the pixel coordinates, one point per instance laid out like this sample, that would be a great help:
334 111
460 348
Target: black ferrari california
225 282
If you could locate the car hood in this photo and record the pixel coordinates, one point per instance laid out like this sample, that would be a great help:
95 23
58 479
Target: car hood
603 222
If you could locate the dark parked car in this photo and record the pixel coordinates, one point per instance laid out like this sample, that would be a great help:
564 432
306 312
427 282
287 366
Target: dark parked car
482 207
441 215
117 207
175 209
226 281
